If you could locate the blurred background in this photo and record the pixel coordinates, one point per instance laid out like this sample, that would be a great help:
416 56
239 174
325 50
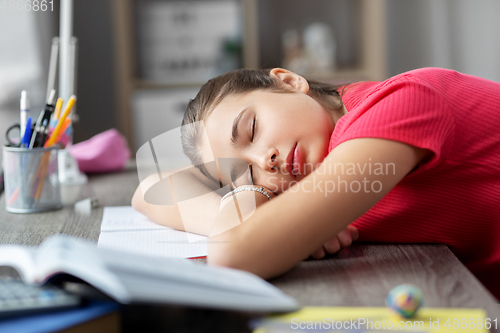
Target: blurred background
140 61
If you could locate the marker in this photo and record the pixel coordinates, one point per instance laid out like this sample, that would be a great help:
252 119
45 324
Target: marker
25 106
27 133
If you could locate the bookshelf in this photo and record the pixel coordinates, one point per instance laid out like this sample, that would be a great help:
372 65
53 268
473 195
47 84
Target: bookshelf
367 26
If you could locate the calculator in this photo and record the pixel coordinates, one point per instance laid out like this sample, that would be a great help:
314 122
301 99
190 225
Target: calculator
18 298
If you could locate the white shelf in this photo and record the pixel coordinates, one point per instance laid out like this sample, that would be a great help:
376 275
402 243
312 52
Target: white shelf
370 64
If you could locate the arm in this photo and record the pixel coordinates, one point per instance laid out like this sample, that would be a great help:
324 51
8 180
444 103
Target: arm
203 212
194 215
239 207
282 233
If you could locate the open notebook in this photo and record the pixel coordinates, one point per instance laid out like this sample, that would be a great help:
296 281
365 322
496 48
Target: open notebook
125 229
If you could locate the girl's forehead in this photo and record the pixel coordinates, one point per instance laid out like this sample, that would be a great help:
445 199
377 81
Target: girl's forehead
231 101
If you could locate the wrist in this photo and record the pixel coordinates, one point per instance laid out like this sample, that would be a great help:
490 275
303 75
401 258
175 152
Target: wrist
253 188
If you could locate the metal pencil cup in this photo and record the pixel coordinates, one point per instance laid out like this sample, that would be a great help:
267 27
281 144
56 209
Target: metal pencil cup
31 179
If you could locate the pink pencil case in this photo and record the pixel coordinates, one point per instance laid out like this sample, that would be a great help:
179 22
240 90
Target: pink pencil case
104 152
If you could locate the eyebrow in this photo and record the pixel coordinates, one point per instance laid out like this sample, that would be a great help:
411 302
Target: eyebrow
234 132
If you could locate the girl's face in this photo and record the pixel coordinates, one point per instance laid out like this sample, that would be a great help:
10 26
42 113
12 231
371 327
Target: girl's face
282 136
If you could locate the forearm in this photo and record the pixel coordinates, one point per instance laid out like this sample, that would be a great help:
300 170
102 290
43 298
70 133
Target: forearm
276 237
167 215
195 210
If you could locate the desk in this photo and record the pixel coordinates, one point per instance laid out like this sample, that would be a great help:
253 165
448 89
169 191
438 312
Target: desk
360 275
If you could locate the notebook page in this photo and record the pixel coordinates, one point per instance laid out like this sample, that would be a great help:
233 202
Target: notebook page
123 218
125 229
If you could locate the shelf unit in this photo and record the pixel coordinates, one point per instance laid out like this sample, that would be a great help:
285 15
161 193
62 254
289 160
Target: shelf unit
371 64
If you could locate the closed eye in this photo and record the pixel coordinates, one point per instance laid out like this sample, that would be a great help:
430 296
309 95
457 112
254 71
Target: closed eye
251 174
253 129
251 139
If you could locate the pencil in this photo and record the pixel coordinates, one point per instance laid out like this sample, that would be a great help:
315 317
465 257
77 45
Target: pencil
44 161
64 127
57 111
45 164
60 122
13 196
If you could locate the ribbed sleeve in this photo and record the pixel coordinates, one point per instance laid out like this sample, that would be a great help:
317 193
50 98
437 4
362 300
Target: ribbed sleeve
452 198
402 110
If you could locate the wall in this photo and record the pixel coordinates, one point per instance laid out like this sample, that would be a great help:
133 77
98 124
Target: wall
456 34
96 95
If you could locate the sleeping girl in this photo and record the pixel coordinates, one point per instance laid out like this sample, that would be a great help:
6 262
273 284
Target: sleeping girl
413 159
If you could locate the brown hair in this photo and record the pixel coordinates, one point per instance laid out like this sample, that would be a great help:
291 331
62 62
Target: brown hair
238 82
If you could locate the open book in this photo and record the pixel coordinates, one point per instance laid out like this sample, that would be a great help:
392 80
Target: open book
130 278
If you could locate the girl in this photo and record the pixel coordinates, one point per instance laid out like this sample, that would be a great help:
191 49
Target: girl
413 159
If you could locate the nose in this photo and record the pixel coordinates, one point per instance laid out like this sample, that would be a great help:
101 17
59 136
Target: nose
268 159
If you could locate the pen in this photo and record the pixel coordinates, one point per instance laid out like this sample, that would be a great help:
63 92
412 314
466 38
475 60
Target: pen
24 111
39 135
49 107
25 141
44 115
43 133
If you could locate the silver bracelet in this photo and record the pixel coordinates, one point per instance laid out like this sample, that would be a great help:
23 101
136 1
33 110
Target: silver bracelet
247 188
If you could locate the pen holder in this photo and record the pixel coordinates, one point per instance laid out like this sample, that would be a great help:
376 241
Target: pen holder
31 179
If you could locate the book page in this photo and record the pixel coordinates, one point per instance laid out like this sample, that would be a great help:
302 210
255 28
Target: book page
146 279
22 259
125 229
64 254
187 282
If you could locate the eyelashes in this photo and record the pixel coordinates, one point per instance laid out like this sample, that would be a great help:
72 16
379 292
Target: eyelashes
251 140
253 129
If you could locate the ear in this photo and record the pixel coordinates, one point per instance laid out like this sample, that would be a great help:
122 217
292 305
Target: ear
291 79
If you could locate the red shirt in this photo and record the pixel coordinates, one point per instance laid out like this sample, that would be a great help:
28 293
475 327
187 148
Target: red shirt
453 197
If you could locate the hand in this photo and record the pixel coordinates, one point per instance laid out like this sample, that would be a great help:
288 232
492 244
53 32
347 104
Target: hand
342 240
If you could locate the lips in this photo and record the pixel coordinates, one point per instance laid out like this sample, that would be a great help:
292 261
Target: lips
290 160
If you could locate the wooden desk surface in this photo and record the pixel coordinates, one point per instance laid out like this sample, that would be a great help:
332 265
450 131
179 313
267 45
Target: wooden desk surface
360 275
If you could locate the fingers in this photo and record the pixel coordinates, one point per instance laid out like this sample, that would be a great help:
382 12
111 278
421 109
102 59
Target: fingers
345 238
342 240
354 232
332 246
319 253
